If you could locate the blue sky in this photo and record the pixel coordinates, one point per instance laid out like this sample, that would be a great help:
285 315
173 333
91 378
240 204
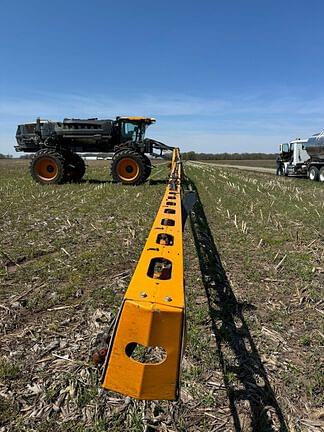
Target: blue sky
232 76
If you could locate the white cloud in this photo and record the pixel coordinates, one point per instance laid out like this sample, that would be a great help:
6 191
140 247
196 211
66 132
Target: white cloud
163 105
256 121
219 143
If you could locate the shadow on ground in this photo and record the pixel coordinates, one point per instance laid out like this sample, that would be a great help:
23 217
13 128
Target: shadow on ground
251 398
95 181
151 182
157 181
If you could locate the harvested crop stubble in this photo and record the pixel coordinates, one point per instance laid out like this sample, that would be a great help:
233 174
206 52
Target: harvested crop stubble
67 255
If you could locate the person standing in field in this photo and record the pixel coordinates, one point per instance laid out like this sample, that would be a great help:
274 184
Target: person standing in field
280 166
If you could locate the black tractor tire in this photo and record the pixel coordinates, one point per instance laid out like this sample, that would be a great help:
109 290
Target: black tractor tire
148 167
129 167
321 174
313 173
48 167
75 167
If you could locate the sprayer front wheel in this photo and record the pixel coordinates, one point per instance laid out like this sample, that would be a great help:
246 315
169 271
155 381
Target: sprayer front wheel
129 167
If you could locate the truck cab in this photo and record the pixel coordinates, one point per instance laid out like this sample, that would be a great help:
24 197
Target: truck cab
294 157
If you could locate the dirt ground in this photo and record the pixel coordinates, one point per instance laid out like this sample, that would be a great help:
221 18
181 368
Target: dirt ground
254 285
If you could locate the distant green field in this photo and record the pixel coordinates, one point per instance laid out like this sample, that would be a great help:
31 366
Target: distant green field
253 273
252 163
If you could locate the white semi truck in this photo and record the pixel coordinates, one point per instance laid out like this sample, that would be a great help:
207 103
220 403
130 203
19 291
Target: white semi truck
303 158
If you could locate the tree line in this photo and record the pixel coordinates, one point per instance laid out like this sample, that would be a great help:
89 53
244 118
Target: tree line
227 156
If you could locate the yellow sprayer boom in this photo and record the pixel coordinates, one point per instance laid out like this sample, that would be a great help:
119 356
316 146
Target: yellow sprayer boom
152 316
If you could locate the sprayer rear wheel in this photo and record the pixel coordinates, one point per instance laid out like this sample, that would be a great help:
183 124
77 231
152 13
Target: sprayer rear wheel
48 167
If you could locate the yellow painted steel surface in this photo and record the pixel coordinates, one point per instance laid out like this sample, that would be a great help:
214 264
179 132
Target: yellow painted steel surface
139 118
153 309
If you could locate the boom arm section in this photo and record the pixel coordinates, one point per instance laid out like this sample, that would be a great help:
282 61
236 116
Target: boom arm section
153 310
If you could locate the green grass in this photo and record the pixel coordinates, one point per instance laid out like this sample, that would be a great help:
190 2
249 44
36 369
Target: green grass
66 257
282 214
67 238
8 369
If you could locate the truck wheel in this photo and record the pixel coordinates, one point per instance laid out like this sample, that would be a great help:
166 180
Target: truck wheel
148 167
75 167
129 167
321 174
48 167
313 173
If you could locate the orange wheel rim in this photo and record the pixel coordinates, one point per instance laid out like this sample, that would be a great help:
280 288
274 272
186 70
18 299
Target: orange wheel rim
46 169
127 169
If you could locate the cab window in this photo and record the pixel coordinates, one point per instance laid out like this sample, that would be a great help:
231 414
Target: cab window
129 131
285 148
